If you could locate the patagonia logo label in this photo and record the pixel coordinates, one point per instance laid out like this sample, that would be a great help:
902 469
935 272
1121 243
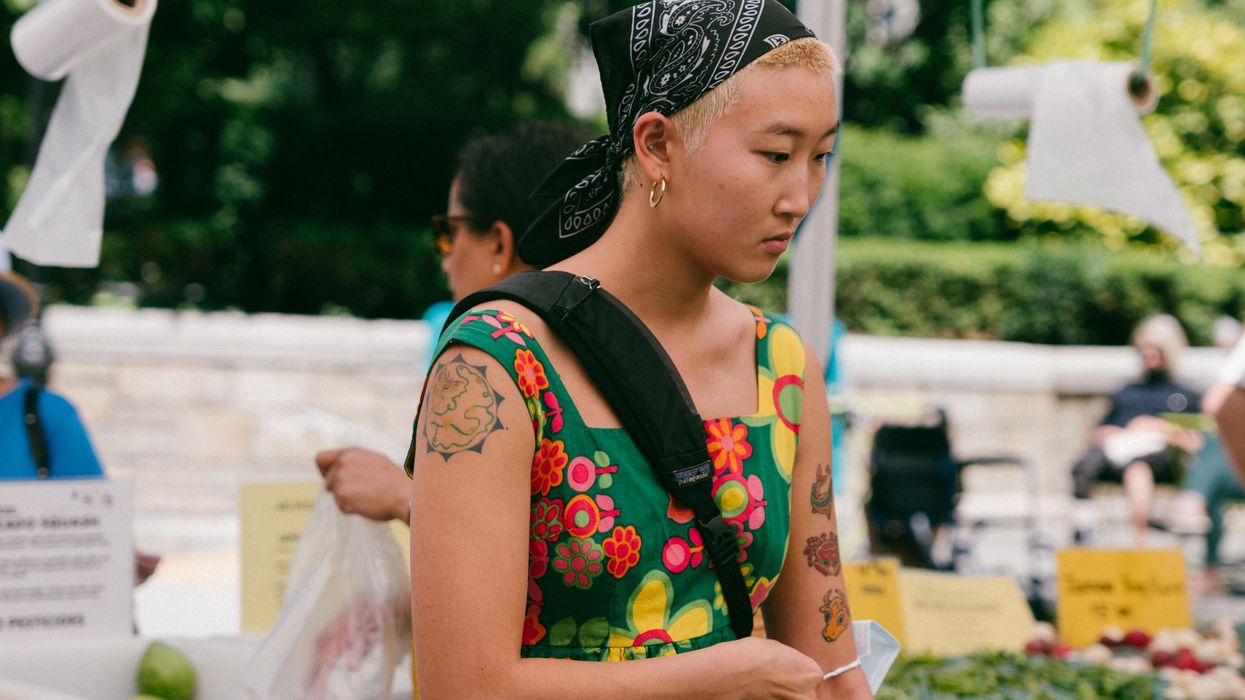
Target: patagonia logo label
691 475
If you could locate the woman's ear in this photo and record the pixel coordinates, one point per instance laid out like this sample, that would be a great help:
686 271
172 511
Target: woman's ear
505 252
654 136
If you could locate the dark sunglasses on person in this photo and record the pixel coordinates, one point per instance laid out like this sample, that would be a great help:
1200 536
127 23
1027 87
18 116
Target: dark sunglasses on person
443 230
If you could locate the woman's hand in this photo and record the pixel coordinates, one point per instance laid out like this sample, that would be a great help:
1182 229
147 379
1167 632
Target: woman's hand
770 669
366 483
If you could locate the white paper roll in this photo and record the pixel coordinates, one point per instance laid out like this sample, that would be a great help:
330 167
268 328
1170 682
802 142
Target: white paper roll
1086 143
99 46
55 36
1000 93
1009 93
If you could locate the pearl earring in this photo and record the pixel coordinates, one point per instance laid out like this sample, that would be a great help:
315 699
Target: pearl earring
496 268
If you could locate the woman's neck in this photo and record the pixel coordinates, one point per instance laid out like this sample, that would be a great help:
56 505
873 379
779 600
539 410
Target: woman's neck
637 263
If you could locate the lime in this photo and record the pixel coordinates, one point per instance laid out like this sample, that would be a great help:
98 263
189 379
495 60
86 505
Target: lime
166 673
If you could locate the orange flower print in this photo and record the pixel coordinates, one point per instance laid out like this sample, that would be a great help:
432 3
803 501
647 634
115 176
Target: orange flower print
728 445
547 466
623 549
762 322
530 372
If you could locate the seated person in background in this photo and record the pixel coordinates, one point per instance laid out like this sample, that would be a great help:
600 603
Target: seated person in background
69 454
1132 444
1226 402
489 206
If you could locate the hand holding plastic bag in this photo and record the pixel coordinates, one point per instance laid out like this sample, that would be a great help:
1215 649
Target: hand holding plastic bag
345 620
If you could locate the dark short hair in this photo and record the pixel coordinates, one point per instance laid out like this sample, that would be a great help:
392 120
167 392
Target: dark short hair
498 172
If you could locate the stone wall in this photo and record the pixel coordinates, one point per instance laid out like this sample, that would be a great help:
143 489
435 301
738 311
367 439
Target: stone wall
189 405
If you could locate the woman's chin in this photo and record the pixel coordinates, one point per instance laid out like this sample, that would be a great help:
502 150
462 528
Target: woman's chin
751 274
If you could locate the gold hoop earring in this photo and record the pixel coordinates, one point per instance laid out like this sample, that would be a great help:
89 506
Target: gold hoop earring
654 196
496 268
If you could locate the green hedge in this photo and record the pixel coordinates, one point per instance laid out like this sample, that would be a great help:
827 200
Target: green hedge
1060 294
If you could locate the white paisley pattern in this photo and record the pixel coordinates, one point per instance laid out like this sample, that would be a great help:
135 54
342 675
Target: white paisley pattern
677 51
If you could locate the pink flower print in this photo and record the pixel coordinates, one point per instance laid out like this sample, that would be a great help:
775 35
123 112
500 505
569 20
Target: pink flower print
554 413
581 516
533 631
678 512
537 559
546 519
760 592
605 506
582 473
679 554
743 539
508 327
756 517
579 561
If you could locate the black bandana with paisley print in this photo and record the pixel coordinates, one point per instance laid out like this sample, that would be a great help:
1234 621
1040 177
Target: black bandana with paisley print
659 56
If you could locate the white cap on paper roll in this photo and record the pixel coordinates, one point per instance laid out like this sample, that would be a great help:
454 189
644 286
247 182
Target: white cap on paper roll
53 37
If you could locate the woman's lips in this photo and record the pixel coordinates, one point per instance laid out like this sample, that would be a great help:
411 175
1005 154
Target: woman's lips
777 245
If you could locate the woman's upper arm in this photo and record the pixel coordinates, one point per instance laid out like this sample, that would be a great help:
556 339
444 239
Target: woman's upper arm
808 608
471 482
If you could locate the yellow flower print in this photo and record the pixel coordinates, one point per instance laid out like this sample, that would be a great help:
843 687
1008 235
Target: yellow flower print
780 387
650 621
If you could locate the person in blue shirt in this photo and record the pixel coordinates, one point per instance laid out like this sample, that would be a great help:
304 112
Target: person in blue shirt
69 451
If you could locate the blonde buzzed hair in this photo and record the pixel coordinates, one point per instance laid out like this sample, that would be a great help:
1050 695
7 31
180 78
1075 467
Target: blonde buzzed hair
694 120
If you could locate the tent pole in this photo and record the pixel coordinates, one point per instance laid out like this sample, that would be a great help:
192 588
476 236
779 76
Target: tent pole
810 285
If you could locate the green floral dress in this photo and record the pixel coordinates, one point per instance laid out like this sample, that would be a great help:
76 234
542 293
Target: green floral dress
616 570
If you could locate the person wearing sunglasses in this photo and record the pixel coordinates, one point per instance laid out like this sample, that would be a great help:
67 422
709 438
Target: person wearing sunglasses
489 205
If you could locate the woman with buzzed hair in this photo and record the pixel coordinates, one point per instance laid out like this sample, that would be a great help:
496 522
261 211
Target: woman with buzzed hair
542 543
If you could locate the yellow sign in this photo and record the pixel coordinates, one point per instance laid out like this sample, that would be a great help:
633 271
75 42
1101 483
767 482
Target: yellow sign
873 593
273 515
1101 588
950 614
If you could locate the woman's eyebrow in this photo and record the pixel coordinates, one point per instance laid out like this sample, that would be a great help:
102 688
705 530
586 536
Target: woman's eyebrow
783 129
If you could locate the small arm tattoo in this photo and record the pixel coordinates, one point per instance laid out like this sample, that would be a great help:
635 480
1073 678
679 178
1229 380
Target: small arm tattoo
822 552
834 609
822 496
462 409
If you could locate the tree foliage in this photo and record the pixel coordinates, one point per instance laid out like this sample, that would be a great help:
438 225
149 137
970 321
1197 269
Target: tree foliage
302 149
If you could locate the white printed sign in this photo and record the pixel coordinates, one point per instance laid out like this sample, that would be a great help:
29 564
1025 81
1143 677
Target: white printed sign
66 559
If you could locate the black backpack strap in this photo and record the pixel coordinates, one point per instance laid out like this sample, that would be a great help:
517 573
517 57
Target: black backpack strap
34 432
636 376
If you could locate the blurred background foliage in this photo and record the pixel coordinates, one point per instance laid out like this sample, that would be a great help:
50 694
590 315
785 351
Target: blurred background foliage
301 153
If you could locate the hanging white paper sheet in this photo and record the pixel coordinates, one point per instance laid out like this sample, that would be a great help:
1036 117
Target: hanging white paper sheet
99 46
1086 143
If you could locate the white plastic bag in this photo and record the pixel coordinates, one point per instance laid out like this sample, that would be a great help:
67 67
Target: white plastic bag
345 620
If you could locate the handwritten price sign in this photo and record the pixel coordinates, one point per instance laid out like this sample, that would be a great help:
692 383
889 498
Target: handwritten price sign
1099 588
